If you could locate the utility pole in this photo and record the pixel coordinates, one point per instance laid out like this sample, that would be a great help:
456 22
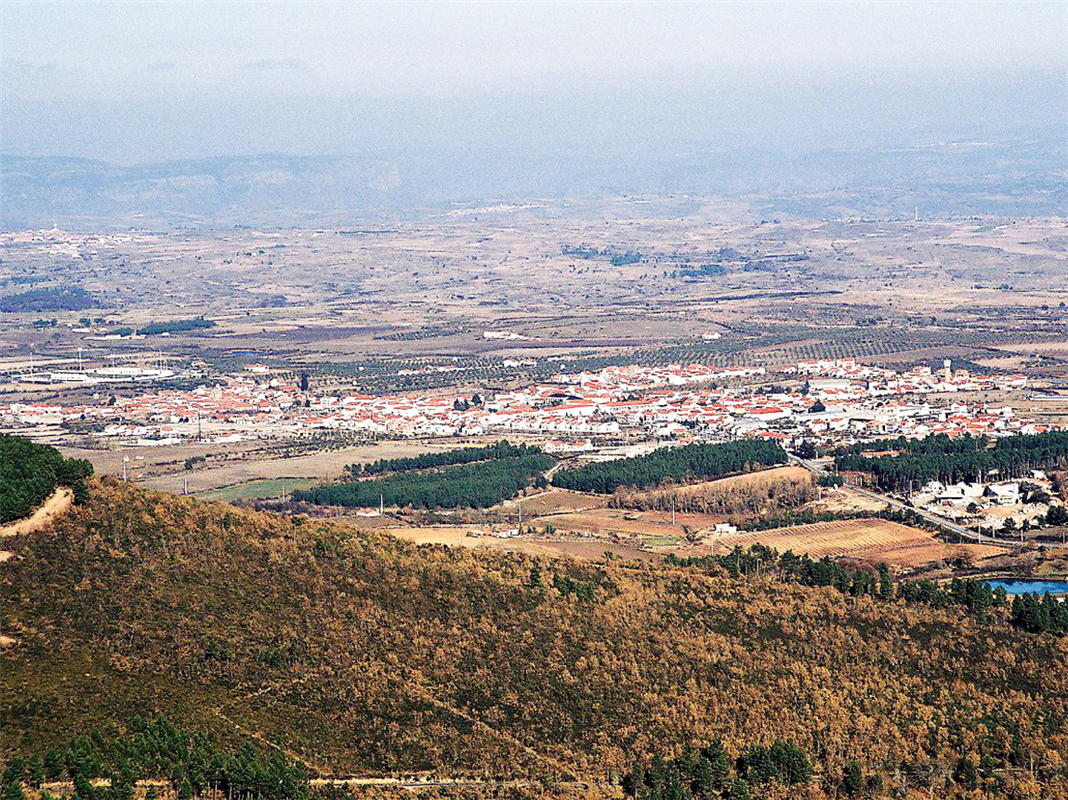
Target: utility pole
672 510
125 459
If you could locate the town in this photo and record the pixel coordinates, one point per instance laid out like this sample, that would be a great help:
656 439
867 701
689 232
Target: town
833 401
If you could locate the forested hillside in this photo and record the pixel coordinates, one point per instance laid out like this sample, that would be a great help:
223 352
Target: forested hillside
361 654
30 472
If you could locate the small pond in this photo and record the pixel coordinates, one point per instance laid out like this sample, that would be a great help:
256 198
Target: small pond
1030 587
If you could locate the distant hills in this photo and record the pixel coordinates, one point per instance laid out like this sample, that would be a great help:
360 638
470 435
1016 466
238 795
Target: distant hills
40 191
1010 178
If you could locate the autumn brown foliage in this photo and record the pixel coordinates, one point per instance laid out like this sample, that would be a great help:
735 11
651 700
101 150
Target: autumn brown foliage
361 654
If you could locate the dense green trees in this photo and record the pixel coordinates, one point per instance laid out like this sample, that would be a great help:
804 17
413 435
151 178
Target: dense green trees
30 472
477 485
463 455
679 464
176 326
707 773
783 762
189 760
49 298
1040 614
950 460
701 271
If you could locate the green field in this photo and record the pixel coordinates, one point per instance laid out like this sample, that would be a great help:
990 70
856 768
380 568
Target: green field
258 490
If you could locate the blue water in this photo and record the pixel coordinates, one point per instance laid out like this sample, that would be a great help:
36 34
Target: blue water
1031 587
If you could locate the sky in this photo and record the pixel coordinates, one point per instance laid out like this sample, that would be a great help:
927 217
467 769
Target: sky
149 81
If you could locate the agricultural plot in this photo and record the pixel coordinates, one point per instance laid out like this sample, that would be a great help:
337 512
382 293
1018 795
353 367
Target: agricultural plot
646 527
259 490
874 540
554 501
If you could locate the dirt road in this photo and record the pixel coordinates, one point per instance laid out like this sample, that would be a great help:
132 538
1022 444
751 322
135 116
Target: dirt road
59 503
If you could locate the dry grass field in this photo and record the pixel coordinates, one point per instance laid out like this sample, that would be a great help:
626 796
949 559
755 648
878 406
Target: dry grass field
321 465
461 536
555 501
873 540
637 526
845 501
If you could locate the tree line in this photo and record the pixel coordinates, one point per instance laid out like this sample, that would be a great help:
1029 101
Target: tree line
951 460
30 472
679 465
463 455
188 760
478 485
176 326
615 257
761 497
807 516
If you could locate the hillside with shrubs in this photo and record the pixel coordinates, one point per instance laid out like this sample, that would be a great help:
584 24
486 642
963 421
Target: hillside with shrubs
356 654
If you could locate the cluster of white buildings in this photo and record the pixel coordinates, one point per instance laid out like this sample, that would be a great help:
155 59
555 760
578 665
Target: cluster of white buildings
988 504
839 400
846 379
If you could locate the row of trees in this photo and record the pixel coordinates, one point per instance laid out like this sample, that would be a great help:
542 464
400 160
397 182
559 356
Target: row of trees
615 257
189 760
760 496
30 472
176 326
702 271
806 516
941 458
477 485
679 465
463 455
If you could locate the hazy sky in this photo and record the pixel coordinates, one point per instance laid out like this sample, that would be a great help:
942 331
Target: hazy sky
140 81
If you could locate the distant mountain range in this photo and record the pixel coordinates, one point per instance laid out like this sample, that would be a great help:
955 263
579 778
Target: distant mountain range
1011 178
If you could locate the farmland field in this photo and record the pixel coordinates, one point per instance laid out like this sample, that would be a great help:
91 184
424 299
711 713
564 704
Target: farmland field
617 523
555 501
324 464
876 540
258 490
